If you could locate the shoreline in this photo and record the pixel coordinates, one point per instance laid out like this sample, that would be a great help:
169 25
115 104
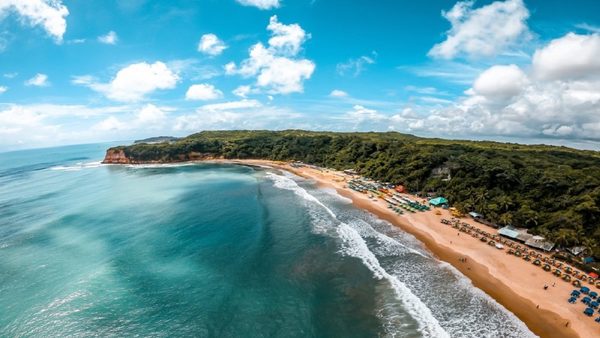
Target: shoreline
512 282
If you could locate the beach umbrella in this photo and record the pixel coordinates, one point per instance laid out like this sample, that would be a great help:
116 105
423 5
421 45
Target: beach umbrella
566 278
575 293
537 262
547 267
586 300
576 283
557 273
597 320
594 304
572 300
585 289
589 311
593 294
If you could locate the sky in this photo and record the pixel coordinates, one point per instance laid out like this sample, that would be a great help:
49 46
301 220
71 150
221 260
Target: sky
89 71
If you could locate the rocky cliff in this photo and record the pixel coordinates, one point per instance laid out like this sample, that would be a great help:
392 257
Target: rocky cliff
116 156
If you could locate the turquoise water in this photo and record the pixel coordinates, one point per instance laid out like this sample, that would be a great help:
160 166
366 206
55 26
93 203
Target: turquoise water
206 250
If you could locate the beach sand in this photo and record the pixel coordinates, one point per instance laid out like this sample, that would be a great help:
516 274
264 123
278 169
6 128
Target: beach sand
516 284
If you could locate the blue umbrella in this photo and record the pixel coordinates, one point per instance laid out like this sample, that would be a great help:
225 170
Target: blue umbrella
586 300
575 293
594 304
585 289
598 320
593 294
589 311
572 300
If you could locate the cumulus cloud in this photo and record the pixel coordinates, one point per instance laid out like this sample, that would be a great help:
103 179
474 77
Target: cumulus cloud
354 67
558 98
243 114
211 45
572 56
260 4
110 38
500 81
203 92
242 91
277 68
48 14
134 82
3 89
483 31
338 93
39 80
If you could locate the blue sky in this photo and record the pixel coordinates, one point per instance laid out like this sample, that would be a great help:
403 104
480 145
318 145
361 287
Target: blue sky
89 71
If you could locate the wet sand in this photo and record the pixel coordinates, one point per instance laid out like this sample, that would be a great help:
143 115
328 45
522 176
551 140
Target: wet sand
516 284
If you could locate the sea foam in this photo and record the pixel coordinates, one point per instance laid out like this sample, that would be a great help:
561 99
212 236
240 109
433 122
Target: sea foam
355 246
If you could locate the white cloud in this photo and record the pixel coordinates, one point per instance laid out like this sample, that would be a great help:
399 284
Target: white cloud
3 89
354 67
244 114
261 4
110 38
210 44
203 91
150 116
500 81
338 93
286 39
242 91
484 31
276 67
134 82
10 75
39 80
49 14
571 56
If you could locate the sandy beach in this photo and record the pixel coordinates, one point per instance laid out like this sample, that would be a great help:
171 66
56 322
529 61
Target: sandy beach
516 284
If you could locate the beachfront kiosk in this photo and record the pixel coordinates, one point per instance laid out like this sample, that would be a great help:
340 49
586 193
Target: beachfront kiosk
439 202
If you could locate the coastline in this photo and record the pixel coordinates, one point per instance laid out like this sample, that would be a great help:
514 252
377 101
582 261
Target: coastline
514 283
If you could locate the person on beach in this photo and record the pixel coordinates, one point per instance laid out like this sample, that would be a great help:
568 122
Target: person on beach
545 286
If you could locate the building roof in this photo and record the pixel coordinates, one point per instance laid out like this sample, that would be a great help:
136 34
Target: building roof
539 242
508 232
438 201
475 214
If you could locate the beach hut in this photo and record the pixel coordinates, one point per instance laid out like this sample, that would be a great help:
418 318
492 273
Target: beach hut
585 290
588 312
438 202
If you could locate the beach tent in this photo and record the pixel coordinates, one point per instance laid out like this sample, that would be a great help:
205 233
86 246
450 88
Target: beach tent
438 201
589 311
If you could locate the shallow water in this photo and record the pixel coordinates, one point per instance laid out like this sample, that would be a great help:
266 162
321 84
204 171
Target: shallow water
213 251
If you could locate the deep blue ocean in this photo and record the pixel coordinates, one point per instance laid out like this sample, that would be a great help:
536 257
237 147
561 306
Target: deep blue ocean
208 250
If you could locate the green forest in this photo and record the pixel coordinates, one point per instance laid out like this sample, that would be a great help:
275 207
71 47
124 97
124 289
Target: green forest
553 191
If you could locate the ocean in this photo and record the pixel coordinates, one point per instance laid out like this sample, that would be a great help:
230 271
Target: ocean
213 250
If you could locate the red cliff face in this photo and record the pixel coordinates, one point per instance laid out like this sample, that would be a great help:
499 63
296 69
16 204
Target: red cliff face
114 156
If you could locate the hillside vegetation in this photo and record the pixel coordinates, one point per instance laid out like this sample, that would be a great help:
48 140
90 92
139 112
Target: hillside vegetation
554 191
